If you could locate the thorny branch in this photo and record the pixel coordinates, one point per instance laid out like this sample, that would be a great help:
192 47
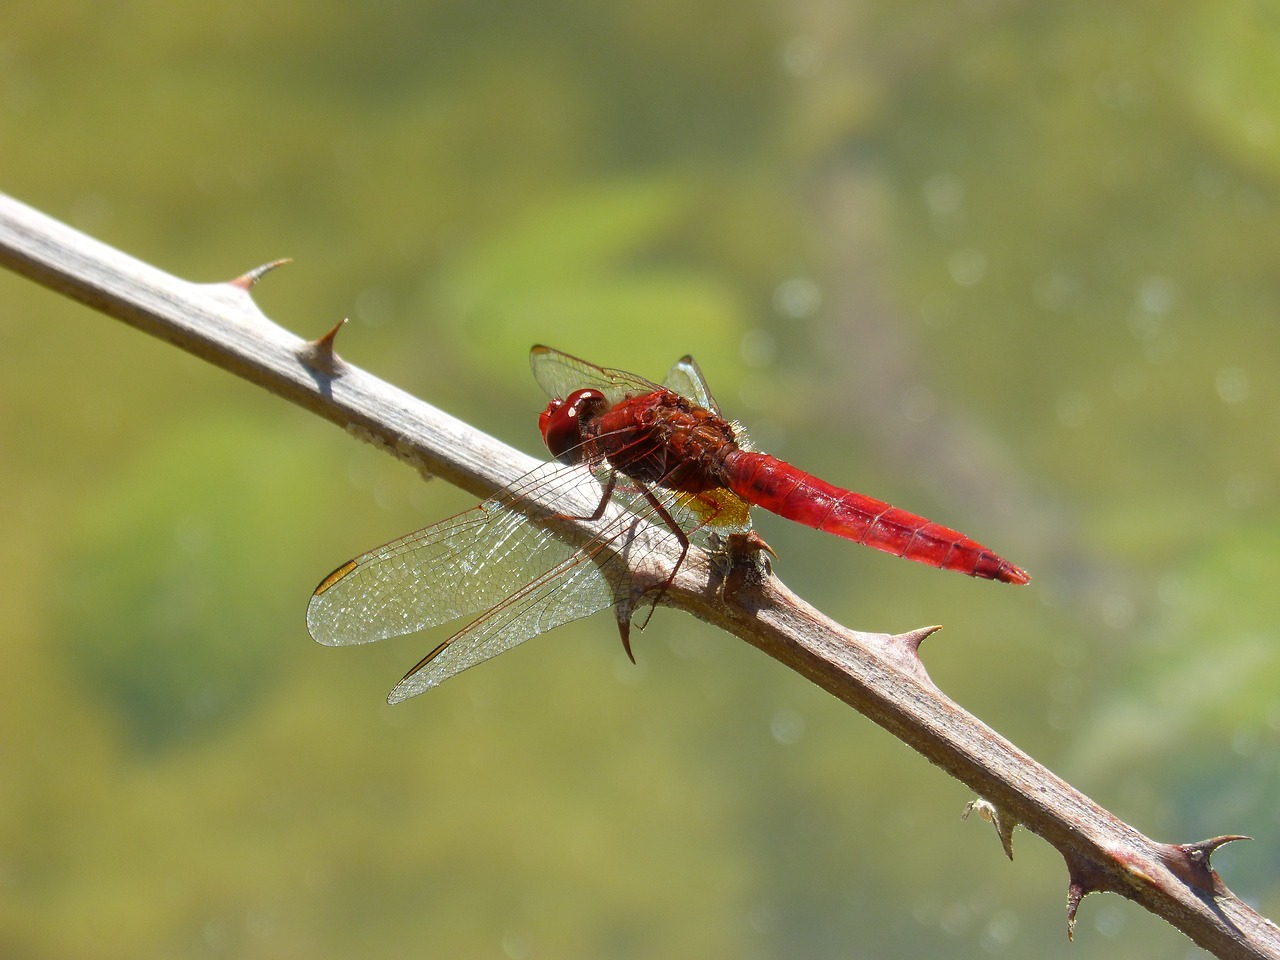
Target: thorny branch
879 675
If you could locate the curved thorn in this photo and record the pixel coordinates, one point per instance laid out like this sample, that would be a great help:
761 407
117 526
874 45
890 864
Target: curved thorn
1205 848
1190 861
904 648
1003 823
325 342
749 544
247 280
1075 893
1083 879
911 641
624 628
320 353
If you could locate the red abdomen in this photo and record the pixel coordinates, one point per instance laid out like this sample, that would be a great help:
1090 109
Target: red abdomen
782 489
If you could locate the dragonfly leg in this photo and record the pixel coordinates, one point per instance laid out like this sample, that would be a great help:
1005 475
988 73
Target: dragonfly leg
681 537
606 493
624 608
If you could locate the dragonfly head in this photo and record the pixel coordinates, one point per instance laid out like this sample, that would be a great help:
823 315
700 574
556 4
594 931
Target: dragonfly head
561 423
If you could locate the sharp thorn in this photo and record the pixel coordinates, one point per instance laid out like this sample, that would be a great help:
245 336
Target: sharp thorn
750 543
623 613
1190 861
1003 823
320 353
904 648
1083 879
325 342
1075 893
912 640
1205 848
247 280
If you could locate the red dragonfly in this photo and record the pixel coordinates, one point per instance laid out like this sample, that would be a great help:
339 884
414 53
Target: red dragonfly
626 450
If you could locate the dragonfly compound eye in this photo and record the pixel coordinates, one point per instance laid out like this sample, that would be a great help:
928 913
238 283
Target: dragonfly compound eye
561 422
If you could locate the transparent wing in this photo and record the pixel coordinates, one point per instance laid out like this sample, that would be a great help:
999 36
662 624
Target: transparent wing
459 566
579 585
686 379
492 558
560 374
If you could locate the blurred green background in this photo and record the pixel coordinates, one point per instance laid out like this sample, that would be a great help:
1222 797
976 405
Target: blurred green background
1010 265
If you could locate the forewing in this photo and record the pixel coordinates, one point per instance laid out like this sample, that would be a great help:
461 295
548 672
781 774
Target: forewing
560 374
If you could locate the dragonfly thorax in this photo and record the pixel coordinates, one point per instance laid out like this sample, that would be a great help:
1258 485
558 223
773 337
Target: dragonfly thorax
663 438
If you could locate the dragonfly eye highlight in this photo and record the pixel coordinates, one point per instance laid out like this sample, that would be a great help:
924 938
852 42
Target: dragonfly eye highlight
561 422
